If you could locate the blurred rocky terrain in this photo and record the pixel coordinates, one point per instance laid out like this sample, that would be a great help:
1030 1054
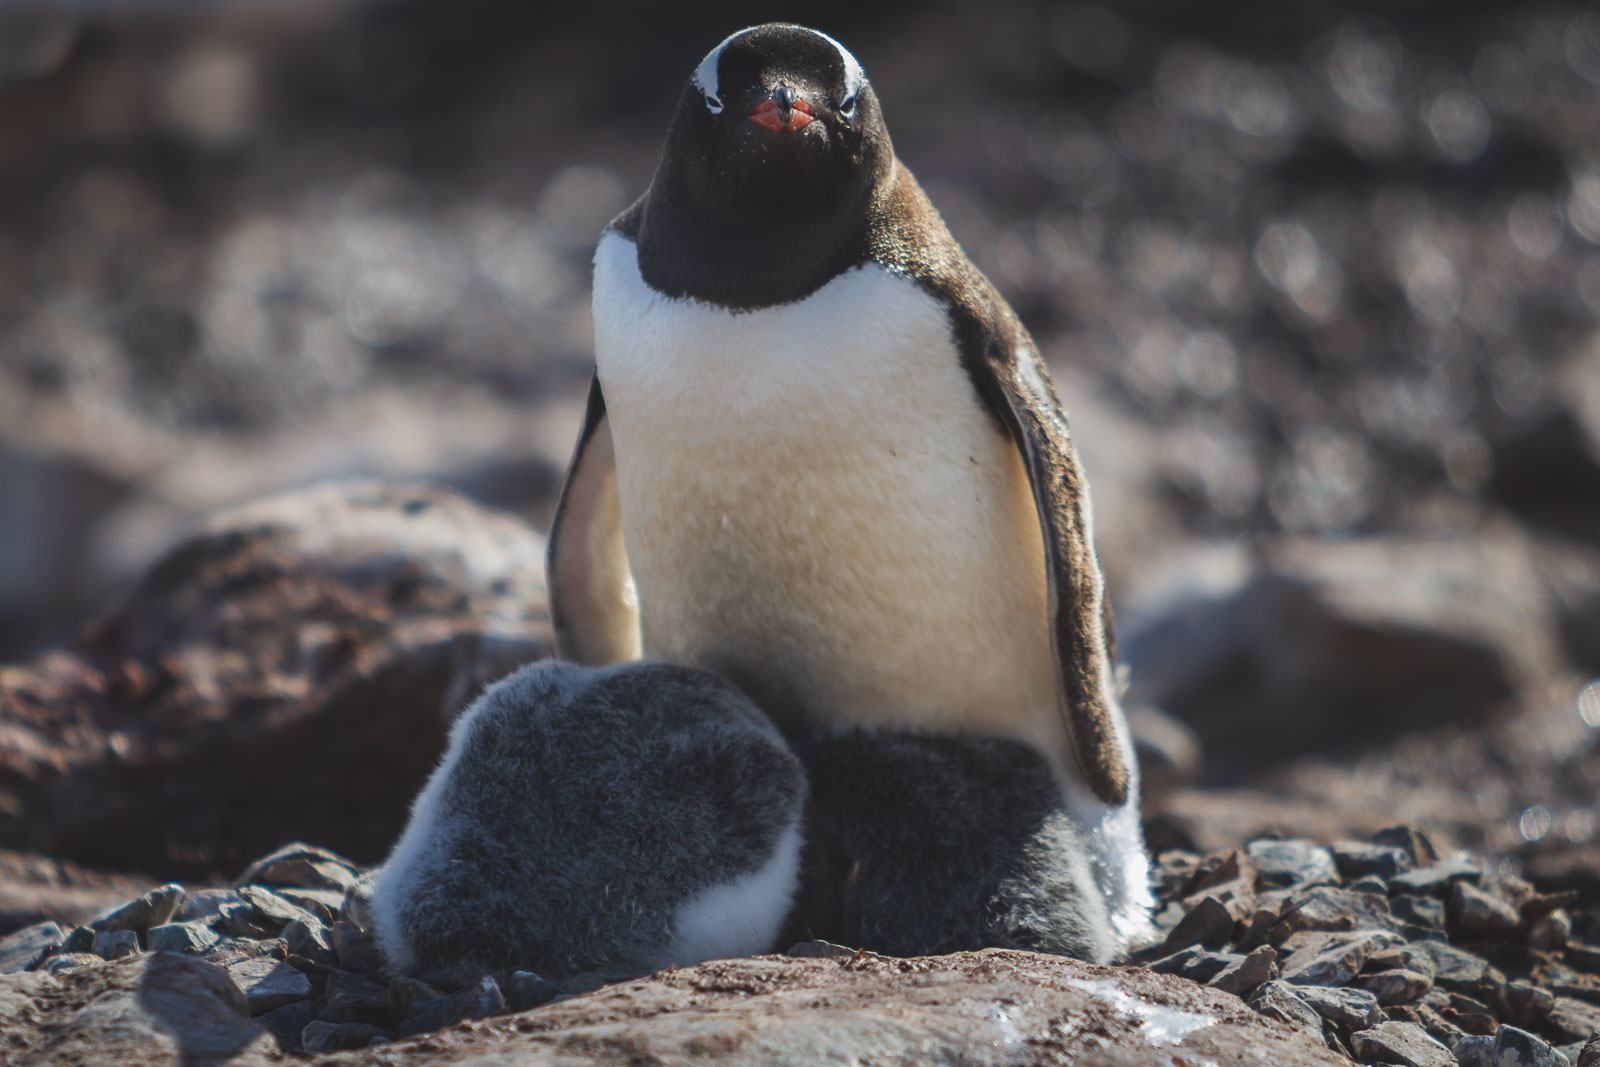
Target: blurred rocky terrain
1319 284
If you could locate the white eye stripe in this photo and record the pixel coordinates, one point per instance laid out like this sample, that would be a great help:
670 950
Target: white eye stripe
705 75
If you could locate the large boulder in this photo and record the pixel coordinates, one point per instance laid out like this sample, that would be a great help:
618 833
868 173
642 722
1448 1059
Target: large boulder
990 1007
1318 646
293 664
147 1011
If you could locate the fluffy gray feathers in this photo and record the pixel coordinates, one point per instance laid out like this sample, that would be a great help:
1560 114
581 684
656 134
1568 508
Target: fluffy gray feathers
952 842
641 814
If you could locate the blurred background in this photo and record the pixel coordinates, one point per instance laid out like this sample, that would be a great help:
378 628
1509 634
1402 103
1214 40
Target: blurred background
1319 284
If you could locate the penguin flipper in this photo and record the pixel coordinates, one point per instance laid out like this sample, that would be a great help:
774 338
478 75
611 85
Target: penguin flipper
592 603
1001 359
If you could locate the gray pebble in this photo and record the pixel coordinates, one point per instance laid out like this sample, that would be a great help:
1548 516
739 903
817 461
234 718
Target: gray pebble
1397 986
525 991
1352 1009
1518 1048
81 939
1293 863
206 904
1436 879
1418 910
22 948
268 983
1356 860
1416 844
1329 959
1477 912
302 865
356 949
115 944
188 938
287 1022
245 920
1402 1043
309 940
476 1001
1281 1001
275 908
323 903
157 906
355 998
1473 1050
1243 977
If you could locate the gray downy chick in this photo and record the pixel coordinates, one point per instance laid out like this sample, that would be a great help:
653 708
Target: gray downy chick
639 815
942 843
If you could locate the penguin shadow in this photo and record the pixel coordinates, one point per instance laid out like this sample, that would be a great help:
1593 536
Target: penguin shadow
618 820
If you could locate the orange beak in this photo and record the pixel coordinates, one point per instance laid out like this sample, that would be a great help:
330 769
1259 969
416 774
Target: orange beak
783 112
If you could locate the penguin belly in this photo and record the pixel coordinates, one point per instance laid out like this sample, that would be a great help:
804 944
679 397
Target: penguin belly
817 506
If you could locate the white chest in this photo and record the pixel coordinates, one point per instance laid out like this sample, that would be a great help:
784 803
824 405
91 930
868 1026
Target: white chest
816 505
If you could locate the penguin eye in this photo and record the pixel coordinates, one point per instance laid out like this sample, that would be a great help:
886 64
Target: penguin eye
847 109
713 103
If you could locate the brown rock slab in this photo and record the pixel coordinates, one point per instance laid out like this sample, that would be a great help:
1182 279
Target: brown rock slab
334 630
1322 958
1403 1043
991 1007
154 1010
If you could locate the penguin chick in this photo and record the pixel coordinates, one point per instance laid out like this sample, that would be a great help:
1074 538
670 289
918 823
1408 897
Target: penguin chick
954 842
640 815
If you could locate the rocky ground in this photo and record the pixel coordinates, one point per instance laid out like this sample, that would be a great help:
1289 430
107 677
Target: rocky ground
1320 286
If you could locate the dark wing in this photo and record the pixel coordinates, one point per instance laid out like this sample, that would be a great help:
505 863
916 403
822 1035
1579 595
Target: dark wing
595 612
1000 358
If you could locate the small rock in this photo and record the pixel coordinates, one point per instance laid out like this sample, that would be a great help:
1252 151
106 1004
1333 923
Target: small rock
1281 1001
1208 923
20 949
81 939
1590 1056
1573 1020
301 865
115 944
477 1001
1418 910
309 940
206 904
355 998
1416 844
1397 986
187 938
356 949
1455 968
811 950
1436 879
245 920
268 983
1242 977
64 962
1329 908
1527 1004
1401 1043
230 950
287 1022
323 903
1401 958
1293 862
1356 860
525 991
1480 913
1518 1048
1351 1009
274 907
157 906
329 1037
1473 1050
1320 958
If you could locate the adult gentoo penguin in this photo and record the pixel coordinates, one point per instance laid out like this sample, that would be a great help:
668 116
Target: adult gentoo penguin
823 458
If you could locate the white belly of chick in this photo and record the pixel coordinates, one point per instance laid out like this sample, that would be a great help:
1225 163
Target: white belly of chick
816 505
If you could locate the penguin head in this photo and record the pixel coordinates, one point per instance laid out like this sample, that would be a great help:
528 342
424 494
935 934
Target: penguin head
779 125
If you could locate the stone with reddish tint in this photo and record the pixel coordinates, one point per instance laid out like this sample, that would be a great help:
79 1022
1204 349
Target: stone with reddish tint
1406 1044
